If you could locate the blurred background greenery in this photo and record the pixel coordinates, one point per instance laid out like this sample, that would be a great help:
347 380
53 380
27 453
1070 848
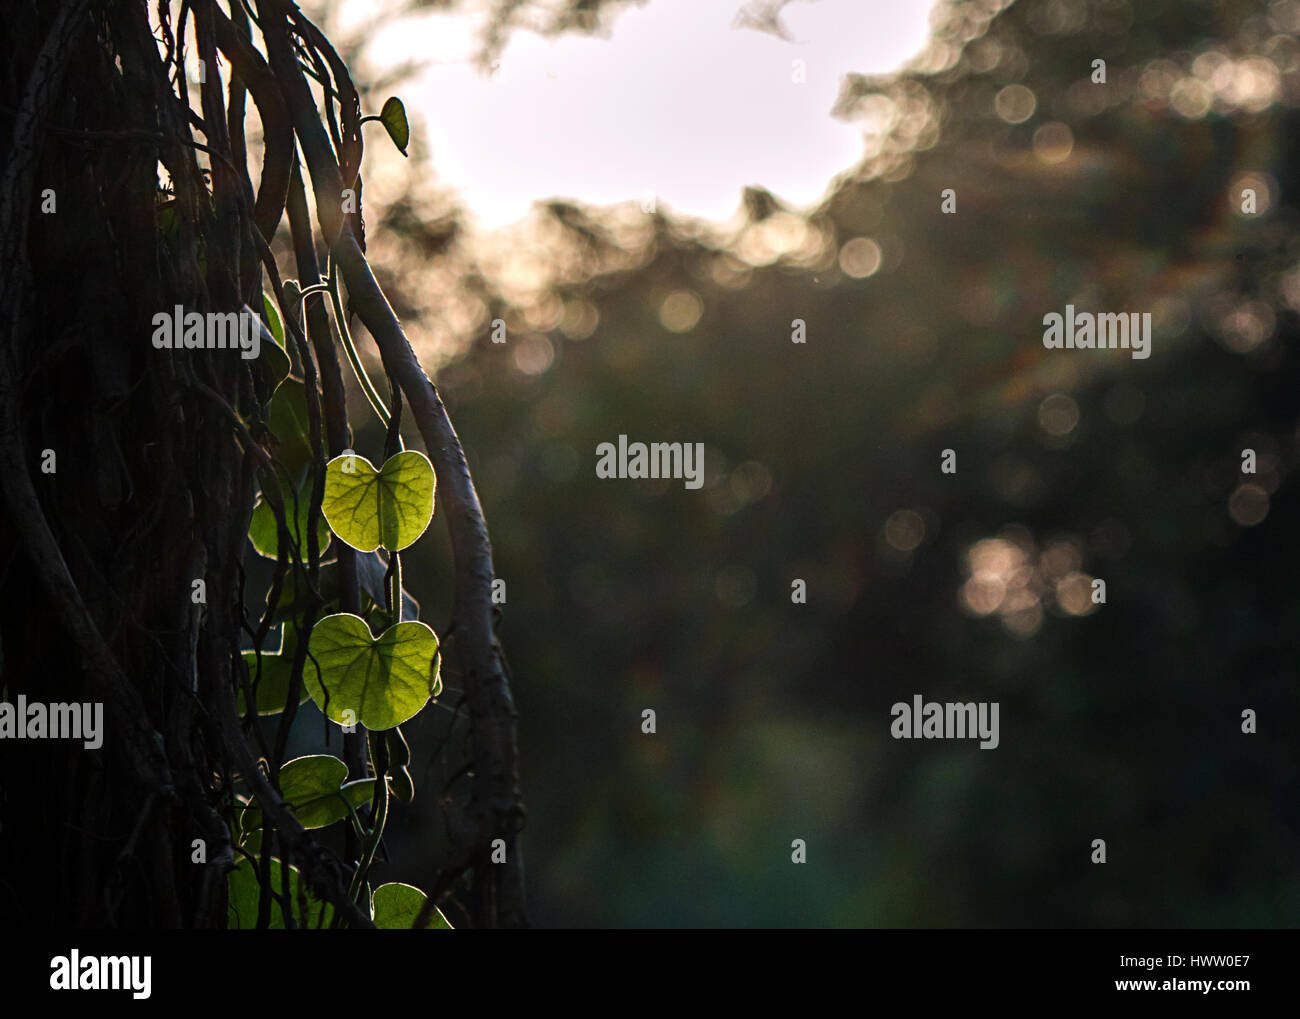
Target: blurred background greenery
1120 721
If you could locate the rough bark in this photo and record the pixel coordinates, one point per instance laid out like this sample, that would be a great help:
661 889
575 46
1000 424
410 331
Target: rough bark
156 469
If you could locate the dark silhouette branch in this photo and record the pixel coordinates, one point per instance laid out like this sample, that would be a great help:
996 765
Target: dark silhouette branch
277 159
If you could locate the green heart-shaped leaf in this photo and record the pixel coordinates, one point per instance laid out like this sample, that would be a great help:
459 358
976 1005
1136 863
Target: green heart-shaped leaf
277 669
313 788
383 681
393 117
391 507
293 602
244 892
397 905
265 536
250 819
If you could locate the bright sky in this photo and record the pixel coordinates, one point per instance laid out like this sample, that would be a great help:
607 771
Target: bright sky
675 104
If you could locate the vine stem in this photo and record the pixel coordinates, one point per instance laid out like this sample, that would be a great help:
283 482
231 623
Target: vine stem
345 336
379 758
395 586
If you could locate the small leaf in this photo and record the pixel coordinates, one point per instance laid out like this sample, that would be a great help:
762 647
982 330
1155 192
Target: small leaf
272 358
292 602
384 681
397 905
273 318
251 839
400 783
313 788
264 534
393 117
391 507
250 820
244 892
277 669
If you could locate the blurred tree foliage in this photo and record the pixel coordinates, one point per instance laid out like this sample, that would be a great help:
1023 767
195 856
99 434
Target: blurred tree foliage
1120 721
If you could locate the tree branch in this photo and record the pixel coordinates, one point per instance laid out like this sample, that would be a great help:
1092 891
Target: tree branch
277 159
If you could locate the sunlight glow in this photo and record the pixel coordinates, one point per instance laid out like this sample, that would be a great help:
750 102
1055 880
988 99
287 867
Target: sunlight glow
677 106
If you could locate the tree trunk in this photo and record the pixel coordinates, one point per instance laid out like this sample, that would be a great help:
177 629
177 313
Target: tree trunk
128 472
122 484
